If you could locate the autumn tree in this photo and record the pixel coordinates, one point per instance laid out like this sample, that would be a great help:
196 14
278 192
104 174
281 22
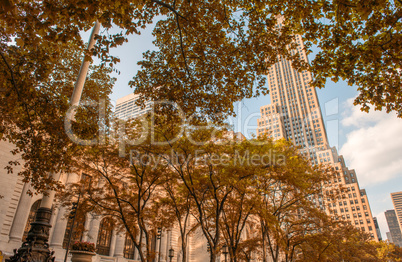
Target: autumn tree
239 229
34 103
387 251
357 41
176 210
360 42
124 187
227 181
336 242
292 205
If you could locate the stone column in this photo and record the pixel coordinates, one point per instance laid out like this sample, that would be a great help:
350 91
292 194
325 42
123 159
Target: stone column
59 228
120 242
93 231
21 215
60 224
165 245
88 219
112 243
158 247
53 220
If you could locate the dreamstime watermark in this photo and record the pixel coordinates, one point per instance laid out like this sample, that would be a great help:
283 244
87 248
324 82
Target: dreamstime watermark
203 158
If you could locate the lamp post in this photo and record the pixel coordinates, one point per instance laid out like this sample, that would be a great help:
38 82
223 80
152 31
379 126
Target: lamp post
73 215
159 237
225 251
171 254
36 246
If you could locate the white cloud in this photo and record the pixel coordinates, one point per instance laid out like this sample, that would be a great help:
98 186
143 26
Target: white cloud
374 147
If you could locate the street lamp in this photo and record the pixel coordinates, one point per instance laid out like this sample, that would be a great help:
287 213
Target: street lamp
36 246
171 254
225 251
73 214
159 237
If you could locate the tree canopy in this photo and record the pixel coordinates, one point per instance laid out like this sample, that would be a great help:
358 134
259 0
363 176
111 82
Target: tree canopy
34 102
213 53
210 54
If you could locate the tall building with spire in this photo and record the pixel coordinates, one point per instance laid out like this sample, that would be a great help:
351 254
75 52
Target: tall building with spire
294 114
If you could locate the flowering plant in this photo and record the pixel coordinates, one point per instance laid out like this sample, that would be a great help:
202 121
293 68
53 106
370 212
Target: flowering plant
83 246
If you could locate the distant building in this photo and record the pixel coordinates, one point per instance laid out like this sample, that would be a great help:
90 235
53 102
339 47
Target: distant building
126 107
397 201
377 228
393 226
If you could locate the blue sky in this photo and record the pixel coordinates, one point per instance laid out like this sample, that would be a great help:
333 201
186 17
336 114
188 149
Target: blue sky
371 143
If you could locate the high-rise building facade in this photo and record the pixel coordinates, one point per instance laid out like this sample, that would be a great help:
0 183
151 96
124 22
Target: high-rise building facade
126 107
389 237
294 114
377 228
394 229
397 201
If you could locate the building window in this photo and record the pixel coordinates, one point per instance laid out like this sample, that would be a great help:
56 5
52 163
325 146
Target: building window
129 248
31 218
104 236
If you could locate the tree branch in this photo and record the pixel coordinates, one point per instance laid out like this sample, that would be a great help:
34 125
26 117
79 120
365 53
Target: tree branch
168 7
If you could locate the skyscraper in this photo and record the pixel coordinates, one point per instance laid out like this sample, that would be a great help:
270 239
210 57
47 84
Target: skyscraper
393 225
294 114
397 201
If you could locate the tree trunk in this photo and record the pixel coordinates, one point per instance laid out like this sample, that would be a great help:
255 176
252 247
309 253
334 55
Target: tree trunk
184 249
213 257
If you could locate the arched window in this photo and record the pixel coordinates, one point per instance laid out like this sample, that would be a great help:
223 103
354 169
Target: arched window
129 248
31 217
104 236
77 229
